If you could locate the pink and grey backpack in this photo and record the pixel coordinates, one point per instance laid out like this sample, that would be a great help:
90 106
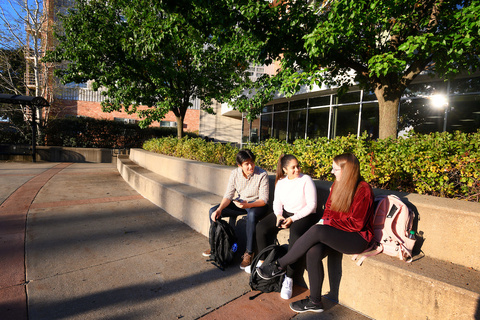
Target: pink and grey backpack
392 225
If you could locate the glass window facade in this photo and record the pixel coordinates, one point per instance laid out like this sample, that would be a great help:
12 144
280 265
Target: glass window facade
255 130
420 115
266 126
345 120
317 125
463 113
349 97
298 104
280 106
296 125
279 130
319 101
357 112
462 86
369 119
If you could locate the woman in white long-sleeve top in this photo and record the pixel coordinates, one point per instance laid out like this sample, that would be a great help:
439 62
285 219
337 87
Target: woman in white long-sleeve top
294 205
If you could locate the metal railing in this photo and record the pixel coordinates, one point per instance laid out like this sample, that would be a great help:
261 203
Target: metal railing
82 94
30 79
79 94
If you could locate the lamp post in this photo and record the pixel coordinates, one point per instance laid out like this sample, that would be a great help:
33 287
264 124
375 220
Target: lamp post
34 132
36 104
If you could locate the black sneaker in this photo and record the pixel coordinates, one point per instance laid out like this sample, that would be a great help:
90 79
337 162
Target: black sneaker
306 305
270 271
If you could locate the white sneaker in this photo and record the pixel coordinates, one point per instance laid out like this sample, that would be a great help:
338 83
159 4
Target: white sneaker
248 269
287 287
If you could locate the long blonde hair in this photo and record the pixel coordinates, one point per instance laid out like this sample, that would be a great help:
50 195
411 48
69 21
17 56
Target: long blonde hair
344 189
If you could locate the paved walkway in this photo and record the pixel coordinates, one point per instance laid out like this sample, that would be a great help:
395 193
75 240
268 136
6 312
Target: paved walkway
77 242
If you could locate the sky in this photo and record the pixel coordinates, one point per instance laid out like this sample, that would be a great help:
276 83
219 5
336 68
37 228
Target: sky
10 11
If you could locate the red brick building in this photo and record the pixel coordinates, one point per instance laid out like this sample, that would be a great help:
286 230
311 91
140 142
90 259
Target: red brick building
81 101
93 109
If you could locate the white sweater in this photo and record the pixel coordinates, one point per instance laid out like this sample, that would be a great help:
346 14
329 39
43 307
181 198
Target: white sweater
297 196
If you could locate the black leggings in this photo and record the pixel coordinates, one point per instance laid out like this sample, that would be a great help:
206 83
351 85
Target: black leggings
267 232
316 243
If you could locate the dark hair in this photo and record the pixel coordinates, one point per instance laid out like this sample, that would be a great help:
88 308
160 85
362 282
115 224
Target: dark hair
345 188
283 162
244 155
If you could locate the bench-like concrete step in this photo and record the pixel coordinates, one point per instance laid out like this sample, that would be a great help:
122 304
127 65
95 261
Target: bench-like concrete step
184 202
447 225
382 288
387 288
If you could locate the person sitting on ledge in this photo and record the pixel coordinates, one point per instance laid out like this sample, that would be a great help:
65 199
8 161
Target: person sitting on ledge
294 204
251 185
346 226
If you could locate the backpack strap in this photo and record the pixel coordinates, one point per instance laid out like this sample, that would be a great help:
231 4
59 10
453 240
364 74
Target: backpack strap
375 246
211 238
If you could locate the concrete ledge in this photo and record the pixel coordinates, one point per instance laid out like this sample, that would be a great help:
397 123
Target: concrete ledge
61 154
386 288
206 176
184 202
448 225
66 154
382 288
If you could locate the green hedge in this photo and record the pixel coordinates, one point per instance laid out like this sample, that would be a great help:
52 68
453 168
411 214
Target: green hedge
10 134
439 164
93 133
194 148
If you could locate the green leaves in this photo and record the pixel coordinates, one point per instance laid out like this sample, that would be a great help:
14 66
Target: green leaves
194 149
159 54
387 43
439 164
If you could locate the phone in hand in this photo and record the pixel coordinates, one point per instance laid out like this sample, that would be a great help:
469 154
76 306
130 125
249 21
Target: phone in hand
279 223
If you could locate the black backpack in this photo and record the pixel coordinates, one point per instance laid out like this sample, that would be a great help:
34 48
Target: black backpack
269 254
223 243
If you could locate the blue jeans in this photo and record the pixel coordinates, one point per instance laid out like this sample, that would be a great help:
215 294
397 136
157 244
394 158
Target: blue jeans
253 216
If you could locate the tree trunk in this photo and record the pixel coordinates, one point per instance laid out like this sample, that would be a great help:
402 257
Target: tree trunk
179 126
388 105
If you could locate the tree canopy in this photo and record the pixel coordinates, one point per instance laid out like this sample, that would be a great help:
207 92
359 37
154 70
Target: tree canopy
385 44
163 53
12 71
159 54
22 24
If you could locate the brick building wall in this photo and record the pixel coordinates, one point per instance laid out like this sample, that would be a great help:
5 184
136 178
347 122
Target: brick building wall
65 108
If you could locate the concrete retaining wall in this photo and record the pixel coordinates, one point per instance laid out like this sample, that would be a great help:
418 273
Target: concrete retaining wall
443 282
206 176
61 154
448 225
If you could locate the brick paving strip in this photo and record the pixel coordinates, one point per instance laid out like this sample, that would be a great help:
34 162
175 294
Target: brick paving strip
13 214
263 306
